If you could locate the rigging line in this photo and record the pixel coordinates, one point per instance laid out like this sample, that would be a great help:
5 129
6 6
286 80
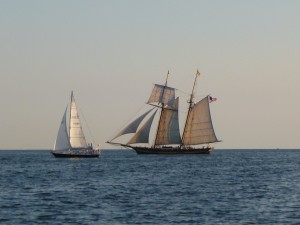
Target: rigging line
184 82
183 92
90 133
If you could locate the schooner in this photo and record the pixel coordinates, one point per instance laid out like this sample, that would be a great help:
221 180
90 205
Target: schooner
197 134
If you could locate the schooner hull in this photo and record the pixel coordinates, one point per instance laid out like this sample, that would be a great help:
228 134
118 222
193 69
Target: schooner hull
77 154
172 151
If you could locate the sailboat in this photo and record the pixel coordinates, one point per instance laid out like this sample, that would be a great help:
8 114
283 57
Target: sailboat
197 135
73 143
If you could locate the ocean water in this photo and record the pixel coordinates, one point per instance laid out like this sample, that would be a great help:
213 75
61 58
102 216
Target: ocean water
121 187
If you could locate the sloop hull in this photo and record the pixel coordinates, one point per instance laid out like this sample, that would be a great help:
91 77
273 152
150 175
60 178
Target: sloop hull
172 151
77 154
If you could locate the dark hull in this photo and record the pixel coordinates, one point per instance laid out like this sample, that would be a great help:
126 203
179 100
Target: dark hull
69 154
172 151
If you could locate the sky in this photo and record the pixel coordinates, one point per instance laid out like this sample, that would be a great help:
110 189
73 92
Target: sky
110 53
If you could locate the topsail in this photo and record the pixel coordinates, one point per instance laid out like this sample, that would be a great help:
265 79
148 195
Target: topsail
162 94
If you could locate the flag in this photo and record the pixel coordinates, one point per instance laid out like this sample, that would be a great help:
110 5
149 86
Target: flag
198 73
211 99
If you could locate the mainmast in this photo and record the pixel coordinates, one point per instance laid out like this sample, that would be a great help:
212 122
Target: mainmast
162 108
191 103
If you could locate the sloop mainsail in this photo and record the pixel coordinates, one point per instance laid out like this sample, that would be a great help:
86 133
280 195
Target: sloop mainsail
77 139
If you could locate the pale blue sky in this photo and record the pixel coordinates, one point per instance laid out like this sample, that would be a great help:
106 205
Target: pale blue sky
111 52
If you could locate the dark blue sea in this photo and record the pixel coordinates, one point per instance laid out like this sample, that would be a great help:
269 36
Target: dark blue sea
121 187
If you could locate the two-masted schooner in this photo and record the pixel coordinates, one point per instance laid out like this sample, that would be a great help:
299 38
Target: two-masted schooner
197 132
73 143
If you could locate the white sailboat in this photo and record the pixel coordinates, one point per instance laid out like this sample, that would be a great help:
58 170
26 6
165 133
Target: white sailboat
197 132
72 143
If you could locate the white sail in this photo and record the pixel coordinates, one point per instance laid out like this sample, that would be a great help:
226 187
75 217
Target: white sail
162 94
168 129
133 126
199 128
142 136
62 141
77 138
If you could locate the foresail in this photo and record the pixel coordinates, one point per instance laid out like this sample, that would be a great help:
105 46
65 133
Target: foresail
162 94
133 126
142 136
168 129
199 128
77 138
62 141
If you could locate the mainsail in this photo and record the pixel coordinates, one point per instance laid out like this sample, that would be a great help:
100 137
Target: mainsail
62 141
199 128
77 138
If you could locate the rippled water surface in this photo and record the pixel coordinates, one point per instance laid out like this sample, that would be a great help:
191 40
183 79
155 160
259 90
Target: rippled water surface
121 187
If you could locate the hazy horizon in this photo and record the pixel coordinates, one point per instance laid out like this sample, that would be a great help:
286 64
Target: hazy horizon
111 52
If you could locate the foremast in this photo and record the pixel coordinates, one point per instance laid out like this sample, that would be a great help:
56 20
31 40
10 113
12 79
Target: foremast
162 111
167 130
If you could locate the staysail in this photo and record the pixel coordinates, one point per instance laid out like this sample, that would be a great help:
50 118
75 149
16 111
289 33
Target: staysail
133 126
142 136
199 128
62 141
77 138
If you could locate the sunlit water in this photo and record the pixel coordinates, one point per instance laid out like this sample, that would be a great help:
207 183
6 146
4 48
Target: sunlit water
121 187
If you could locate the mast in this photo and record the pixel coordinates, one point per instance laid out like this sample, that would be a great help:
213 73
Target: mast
162 109
190 107
70 114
